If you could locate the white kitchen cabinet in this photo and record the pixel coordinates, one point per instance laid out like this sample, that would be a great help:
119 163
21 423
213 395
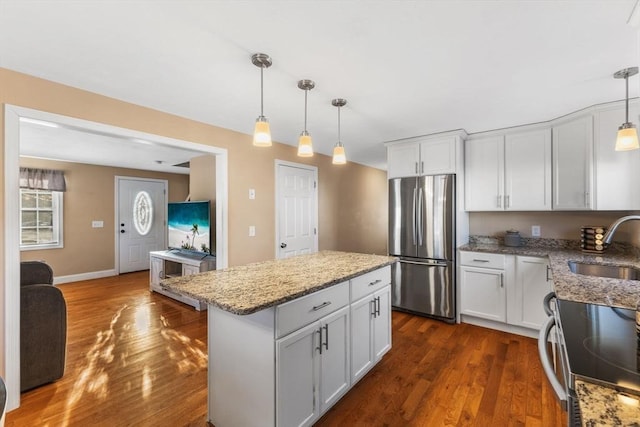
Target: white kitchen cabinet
482 292
503 291
509 172
416 157
527 177
288 364
532 283
484 174
371 331
312 369
168 264
616 172
573 164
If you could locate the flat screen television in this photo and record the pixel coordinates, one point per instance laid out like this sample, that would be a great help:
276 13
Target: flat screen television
189 226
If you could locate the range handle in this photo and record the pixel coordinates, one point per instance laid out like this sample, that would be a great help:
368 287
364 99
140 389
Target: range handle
543 351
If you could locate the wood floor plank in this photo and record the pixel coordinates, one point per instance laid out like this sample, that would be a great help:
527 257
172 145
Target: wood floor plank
136 358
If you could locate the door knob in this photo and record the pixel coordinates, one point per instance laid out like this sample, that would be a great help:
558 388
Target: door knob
283 245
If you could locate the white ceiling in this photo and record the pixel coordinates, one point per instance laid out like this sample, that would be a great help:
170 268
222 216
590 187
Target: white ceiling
406 68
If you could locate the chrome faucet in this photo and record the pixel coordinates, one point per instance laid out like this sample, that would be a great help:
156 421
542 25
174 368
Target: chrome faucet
608 236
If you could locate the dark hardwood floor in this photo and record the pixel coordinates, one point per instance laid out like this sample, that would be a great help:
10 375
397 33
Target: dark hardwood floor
136 358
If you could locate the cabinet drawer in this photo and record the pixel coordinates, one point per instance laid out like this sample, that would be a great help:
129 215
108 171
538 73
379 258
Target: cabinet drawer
481 259
370 282
295 314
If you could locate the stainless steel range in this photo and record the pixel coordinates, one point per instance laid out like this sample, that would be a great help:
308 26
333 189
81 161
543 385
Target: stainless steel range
595 343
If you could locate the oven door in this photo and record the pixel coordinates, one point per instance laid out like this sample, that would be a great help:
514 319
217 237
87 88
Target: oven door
555 364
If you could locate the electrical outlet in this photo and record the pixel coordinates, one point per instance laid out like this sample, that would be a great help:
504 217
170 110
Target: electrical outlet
252 231
97 224
252 193
535 231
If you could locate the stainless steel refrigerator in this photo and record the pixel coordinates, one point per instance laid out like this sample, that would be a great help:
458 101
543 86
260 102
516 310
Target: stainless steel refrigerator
422 235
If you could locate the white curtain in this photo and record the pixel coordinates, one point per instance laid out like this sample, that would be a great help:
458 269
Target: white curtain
42 179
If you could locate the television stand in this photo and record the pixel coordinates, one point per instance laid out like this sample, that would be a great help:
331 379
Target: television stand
167 264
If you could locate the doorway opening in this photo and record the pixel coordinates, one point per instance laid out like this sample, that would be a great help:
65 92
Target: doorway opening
10 295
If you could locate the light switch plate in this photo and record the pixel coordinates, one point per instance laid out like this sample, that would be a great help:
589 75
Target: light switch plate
252 231
535 231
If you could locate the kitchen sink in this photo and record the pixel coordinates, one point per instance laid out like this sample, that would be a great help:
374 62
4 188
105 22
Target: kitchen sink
614 271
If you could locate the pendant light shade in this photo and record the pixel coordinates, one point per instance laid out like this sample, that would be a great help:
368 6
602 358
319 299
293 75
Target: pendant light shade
339 155
305 145
627 138
262 131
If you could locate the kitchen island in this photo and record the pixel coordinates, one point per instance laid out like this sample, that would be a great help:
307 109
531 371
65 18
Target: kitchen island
600 405
288 338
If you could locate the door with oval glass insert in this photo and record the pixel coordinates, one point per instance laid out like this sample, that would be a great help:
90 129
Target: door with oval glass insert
140 221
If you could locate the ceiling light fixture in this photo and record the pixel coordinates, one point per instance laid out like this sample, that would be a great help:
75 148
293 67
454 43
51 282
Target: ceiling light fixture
339 156
627 134
305 146
262 132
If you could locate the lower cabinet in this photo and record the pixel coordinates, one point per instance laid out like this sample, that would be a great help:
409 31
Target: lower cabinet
371 331
503 291
312 369
287 365
483 293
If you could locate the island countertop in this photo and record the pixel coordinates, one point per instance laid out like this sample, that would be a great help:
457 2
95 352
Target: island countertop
249 288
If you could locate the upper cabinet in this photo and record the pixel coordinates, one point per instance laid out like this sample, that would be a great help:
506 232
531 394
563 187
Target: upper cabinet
509 172
422 156
617 172
573 164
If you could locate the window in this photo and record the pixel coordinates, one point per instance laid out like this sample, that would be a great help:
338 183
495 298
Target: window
40 219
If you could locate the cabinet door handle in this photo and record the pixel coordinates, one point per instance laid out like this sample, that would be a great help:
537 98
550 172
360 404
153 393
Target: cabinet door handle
507 201
319 332
416 168
373 313
421 167
161 274
548 271
323 305
586 199
377 305
499 201
480 260
502 280
326 337
375 282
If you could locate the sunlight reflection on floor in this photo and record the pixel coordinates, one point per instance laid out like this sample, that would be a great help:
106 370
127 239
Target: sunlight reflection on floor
113 346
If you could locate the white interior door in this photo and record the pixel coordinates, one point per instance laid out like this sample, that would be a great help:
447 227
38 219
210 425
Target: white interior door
140 222
296 209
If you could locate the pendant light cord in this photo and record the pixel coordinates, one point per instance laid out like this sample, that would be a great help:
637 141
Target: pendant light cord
339 138
626 103
261 92
305 109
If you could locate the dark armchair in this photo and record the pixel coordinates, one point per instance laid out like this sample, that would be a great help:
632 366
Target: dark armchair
43 326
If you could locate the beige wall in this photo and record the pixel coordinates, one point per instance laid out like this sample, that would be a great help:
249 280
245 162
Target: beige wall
202 186
553 225
249 167
90 196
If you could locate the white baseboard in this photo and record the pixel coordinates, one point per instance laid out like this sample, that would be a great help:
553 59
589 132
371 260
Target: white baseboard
504 327
84 276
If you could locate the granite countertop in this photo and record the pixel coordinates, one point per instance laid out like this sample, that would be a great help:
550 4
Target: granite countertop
246 289
600 406
577 287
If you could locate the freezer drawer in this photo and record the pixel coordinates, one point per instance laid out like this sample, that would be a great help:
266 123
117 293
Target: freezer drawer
424 287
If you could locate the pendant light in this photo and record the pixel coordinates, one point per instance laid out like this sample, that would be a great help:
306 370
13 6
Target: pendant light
339 156
305 146
262 132
627 134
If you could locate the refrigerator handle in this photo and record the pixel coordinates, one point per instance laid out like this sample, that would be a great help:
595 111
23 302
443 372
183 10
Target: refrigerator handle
420 216
413 222
426 264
